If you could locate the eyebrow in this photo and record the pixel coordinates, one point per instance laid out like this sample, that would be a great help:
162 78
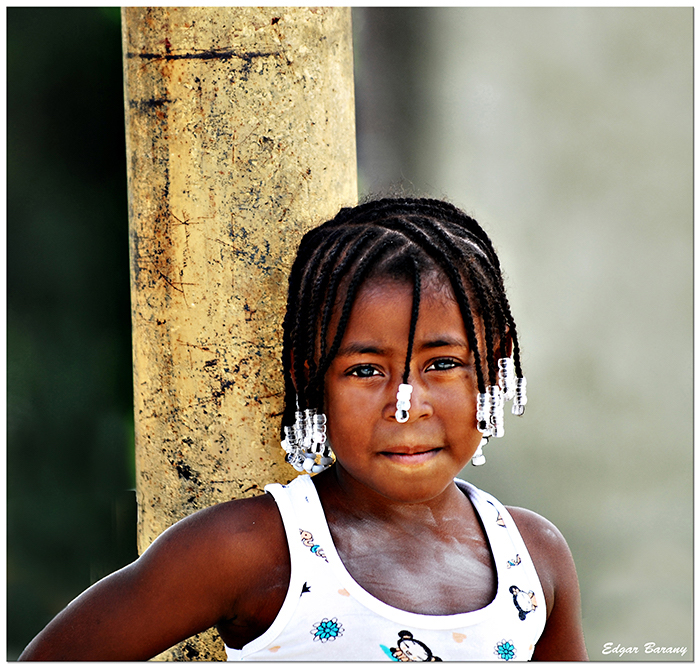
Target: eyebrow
445 342
361 348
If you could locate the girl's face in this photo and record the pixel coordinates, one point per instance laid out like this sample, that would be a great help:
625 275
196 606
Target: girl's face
417 460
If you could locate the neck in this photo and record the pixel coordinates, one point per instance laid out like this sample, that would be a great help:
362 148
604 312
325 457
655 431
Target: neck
342 496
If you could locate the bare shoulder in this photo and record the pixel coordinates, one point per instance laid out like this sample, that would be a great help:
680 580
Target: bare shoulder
237 549
562 638
545 543
539 527
241 521
224 540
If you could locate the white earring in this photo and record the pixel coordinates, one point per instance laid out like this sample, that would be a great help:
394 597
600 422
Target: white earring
478 458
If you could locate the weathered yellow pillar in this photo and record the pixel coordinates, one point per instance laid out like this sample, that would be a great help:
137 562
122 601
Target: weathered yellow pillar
240 137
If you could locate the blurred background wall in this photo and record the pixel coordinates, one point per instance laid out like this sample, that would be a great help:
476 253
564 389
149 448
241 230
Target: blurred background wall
566 132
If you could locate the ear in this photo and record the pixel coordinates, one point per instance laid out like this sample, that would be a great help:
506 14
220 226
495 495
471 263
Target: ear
509 344
497 346
291 370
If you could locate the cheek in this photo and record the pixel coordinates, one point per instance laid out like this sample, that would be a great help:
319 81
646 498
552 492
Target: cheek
457 405
345 404
341 414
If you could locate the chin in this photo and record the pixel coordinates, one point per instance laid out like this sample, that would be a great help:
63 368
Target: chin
413 489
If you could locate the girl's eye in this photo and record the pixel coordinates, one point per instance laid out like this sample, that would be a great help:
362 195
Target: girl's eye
363 371
443 365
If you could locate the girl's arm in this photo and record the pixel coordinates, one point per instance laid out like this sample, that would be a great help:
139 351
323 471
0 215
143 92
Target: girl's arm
562 638
204 570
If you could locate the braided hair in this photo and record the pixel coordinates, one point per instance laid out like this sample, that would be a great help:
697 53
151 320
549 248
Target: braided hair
400 238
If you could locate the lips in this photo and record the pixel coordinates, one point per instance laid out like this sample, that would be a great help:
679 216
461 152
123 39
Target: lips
410 455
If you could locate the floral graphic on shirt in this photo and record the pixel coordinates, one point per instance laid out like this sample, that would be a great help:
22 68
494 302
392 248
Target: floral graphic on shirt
327 629
514 562
505 650
409 649
524 601
308 540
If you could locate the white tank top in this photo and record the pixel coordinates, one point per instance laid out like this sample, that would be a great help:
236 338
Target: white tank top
327 616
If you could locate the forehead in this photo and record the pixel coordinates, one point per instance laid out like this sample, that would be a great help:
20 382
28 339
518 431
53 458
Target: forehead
382 308
433 282
433 288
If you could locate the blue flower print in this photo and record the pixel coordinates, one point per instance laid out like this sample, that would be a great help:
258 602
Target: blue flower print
505 650
327 629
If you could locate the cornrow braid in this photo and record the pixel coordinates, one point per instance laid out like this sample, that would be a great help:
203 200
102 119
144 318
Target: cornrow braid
414 320
338 273
502 310
361 270
438 255
480 288
318 281
404 239
488 246
449 213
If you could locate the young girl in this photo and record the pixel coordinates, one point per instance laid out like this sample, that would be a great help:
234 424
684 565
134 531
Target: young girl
399 354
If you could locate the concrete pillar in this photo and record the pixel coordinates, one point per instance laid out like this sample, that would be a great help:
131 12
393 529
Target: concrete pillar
240 137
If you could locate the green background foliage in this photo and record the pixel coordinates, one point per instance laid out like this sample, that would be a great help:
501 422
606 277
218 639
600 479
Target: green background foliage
71 516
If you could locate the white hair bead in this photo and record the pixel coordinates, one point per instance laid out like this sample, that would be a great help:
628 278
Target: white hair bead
403 402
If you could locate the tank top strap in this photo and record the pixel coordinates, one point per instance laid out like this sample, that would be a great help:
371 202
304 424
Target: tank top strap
296 503
515 569
304 521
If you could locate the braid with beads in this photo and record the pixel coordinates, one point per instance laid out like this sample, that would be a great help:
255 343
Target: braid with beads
405 239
